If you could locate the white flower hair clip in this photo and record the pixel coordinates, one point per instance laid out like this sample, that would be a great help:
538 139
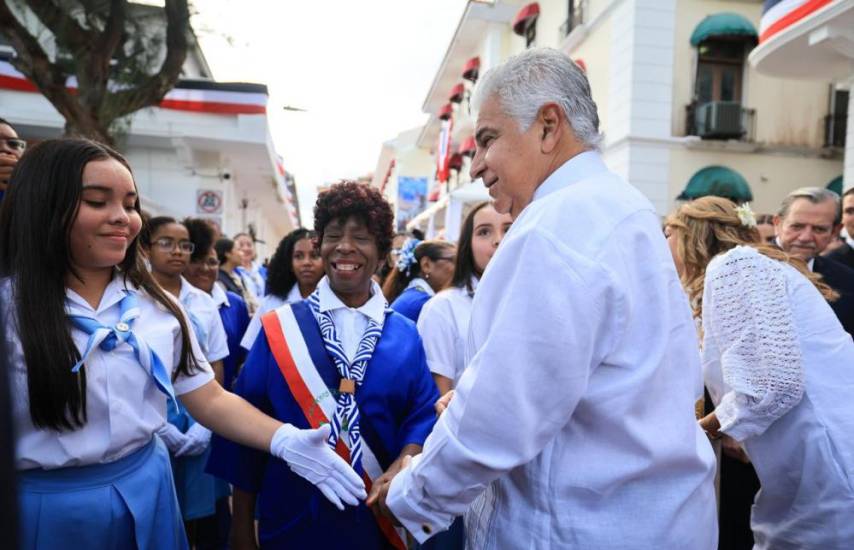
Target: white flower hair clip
407 256
745 215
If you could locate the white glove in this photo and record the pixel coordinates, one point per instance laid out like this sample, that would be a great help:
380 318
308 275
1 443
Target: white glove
197 439
309 456
172 436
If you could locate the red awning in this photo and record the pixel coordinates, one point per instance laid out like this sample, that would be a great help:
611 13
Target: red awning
525 18
446 111
581 64
471 69
468 147
457 93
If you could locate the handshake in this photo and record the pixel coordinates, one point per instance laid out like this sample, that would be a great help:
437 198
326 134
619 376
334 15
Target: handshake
309 456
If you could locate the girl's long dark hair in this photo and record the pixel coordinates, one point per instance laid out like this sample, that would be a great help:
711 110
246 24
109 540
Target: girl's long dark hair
280 273
465 266
36 217
397 280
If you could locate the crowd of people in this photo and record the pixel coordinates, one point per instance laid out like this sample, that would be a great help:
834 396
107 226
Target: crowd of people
569 372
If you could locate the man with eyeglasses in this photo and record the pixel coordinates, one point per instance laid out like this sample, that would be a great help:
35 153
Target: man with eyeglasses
11 149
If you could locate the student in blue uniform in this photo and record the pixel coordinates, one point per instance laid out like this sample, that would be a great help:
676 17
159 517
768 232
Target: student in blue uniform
423 269
168 247
201 272
343 363
96 347
294 272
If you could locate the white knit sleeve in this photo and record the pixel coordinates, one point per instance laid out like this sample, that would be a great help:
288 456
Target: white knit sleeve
746 310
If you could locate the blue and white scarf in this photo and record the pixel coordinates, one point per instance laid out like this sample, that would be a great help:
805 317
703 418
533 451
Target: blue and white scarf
108 338
346 416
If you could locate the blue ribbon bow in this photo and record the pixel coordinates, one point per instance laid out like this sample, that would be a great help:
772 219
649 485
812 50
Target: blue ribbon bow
108 338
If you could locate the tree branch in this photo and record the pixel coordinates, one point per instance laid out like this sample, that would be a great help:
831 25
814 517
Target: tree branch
64 27
34 63
111 38
31 60
152 89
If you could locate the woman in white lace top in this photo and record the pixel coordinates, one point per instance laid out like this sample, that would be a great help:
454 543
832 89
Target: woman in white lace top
780 370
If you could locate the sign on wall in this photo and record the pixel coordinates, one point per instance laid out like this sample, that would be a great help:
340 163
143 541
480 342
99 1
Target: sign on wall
411 199
208 201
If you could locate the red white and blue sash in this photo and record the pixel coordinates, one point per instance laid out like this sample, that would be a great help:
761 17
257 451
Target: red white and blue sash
314 398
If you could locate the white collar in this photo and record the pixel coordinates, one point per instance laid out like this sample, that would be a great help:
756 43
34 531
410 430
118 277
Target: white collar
374 308
422 285
186 290
219 295
579 167
849 240
116 289
294 294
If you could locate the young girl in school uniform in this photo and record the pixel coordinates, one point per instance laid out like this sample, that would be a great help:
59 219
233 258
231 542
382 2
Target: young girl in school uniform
295 269
96 348
168 247
423 269
201 272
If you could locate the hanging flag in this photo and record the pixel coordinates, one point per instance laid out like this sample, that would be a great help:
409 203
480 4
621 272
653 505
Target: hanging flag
780 14
443 151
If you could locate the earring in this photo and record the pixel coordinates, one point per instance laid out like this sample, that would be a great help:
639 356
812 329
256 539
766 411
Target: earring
426 276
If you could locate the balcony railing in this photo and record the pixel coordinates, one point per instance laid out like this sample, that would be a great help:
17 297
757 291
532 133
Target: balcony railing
574 18
835 127
720 120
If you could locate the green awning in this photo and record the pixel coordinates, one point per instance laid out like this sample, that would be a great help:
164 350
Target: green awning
723 24
835 185
718 181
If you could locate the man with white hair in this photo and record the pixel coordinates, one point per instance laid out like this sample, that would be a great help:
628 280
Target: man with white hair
809 218
574 420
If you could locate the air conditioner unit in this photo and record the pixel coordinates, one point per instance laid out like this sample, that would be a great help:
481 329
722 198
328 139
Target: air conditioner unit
719 120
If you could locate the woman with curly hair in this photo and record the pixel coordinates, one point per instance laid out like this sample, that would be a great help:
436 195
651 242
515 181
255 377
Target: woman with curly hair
423 269
292 275
779 368
346 370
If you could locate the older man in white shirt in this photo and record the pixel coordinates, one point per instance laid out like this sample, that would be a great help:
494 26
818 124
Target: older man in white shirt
574 421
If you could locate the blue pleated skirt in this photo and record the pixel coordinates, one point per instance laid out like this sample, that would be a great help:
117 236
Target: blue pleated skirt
126 504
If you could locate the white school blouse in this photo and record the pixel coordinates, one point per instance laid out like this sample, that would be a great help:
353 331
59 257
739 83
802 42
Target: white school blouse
202 306
268 303
444 326
574 418
124 406
780 368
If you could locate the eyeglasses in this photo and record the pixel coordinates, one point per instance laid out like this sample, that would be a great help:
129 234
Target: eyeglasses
212 263
167 244
15 143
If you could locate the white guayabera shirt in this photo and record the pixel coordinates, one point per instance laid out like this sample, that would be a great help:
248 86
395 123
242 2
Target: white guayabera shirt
576 409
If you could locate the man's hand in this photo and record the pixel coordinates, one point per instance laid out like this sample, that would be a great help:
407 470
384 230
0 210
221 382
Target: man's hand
7 164
380 487
443 403
711 425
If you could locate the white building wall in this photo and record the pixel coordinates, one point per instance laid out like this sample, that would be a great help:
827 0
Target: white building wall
640 88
